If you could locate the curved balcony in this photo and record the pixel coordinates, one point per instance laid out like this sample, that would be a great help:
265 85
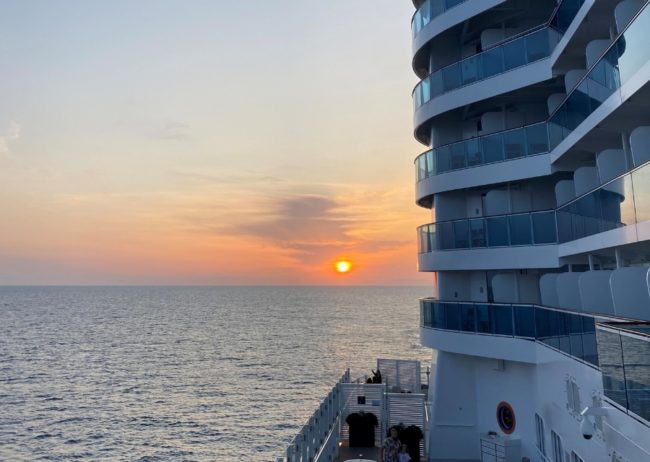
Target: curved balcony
572 334
514 53
488 149
624 201
521 229
429 10
617 66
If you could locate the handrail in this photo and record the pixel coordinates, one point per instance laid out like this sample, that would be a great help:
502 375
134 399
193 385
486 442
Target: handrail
501 215
548 24
474 138
500 150
603 222
535 305
477 232
546 330
498 44
522 36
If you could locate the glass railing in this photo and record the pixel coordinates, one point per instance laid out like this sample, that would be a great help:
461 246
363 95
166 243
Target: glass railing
570 333
429 10
565 14
621 61
621 202
509 55
531 228
624 354
432 8
488 149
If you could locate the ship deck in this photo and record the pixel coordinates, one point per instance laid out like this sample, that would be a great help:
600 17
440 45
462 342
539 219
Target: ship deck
346 454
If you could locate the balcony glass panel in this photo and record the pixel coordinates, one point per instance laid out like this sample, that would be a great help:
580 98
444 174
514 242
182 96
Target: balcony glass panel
537 139
524 321
457 156
497 231
493 149
483 319
470 70
452 316
450 80
438 317
538 46
610 358
520 230
514 143
492 62
501 319
473 152
636 363
468 318
641 181
514 53
563 320
432 235
544 228
589 345
565 14
477 232
461 234
446 238
542 324
426 313
443 159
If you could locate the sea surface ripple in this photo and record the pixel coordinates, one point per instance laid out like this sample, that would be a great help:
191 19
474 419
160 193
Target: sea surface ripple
184 373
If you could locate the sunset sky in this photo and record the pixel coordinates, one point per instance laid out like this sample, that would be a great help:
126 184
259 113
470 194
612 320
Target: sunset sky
207 142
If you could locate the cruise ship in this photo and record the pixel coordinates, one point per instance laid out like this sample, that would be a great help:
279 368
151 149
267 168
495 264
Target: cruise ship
536 119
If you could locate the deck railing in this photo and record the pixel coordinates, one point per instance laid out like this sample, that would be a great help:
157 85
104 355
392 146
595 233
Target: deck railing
320 438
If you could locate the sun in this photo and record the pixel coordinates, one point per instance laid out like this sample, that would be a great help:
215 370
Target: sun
343 266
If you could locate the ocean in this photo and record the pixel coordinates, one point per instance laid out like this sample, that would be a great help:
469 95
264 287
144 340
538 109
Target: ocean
184 373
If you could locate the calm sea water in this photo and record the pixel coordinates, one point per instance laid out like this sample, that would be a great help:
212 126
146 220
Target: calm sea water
195 374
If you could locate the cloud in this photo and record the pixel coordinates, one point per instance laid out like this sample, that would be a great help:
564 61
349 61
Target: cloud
173 130
229 179
11 134
311 228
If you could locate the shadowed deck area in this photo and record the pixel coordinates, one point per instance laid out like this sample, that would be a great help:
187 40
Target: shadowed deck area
358 453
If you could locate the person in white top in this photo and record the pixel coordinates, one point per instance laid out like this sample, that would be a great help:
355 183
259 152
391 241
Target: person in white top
404 454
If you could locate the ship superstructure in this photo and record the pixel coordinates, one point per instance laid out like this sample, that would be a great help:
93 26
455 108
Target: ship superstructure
536 116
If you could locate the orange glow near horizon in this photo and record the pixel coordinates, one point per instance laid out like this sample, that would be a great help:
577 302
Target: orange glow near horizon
343 266
150 180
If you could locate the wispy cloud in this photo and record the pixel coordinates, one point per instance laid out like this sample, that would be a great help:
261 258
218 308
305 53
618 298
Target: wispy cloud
11 134
228 178
312 228
172 130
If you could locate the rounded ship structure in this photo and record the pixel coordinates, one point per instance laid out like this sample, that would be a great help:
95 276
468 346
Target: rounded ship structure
536 118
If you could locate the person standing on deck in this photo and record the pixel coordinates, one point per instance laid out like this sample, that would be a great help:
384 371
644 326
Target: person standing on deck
390 449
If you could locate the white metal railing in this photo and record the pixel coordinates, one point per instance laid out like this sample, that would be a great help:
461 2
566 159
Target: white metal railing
320 438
